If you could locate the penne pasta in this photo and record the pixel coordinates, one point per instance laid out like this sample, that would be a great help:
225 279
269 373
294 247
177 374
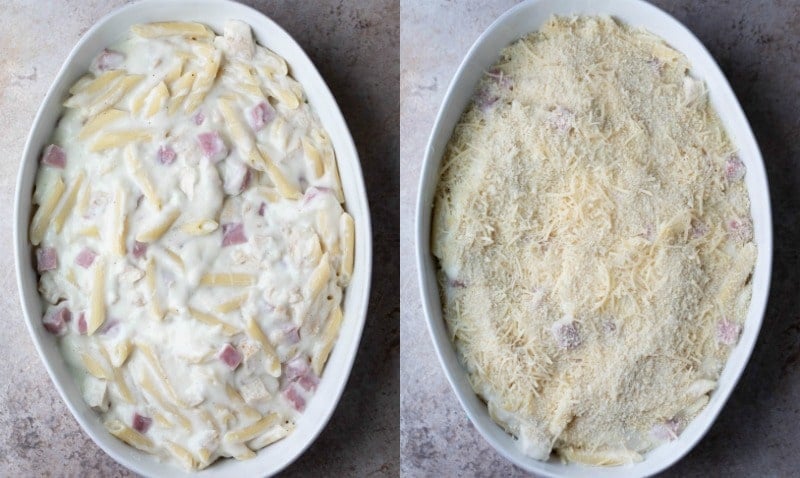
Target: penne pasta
329 334
69 203
102 120
255 333
164 29
232 305
152 359
97 303
118 139
312 155
199 228
212 321
272 435
94 367
118 221
154 231
318 279
128 435
347 239
150 280
182 455
251 431
284 187
41 219
228 280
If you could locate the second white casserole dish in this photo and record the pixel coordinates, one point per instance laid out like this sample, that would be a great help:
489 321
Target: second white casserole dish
519 21
267 33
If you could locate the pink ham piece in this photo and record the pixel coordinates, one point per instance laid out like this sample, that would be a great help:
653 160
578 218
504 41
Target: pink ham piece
141 423
85 258
166 155
232 234
295 368
46 259
734 168
109 60
728 332
566 335
262 208
139 249
56 322
82 328
740 230
308 382
54 156
199 118
291 335
293 395
260 115
213 146
230 356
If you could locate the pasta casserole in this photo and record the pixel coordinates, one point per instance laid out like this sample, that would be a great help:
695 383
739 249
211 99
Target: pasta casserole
594 242
191 242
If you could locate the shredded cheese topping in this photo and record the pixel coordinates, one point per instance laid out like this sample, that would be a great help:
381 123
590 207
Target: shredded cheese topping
595 242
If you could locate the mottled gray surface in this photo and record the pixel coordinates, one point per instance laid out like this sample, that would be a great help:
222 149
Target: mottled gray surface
757 44
355 47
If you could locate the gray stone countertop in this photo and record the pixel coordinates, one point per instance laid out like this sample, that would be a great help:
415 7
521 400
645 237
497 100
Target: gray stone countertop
355 47
757 45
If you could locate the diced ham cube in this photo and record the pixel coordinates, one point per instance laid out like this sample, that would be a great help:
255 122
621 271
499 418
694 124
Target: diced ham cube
566 334
699 229
82 328
212 145
230 356
291 335
109 60
262 208
295 368
260 115
46 259
85 258
728 332
734 168
139 249
199 118
740 230
295 397
232 234
166 155
666 431
54 156
308 382
56 322
141 423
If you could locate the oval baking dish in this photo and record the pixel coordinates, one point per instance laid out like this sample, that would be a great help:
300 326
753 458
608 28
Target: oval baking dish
213 13
517 22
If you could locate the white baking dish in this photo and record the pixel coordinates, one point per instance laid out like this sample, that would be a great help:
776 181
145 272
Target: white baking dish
520 20
214 13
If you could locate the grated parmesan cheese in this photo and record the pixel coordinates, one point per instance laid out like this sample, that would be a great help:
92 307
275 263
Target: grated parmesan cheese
594 241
